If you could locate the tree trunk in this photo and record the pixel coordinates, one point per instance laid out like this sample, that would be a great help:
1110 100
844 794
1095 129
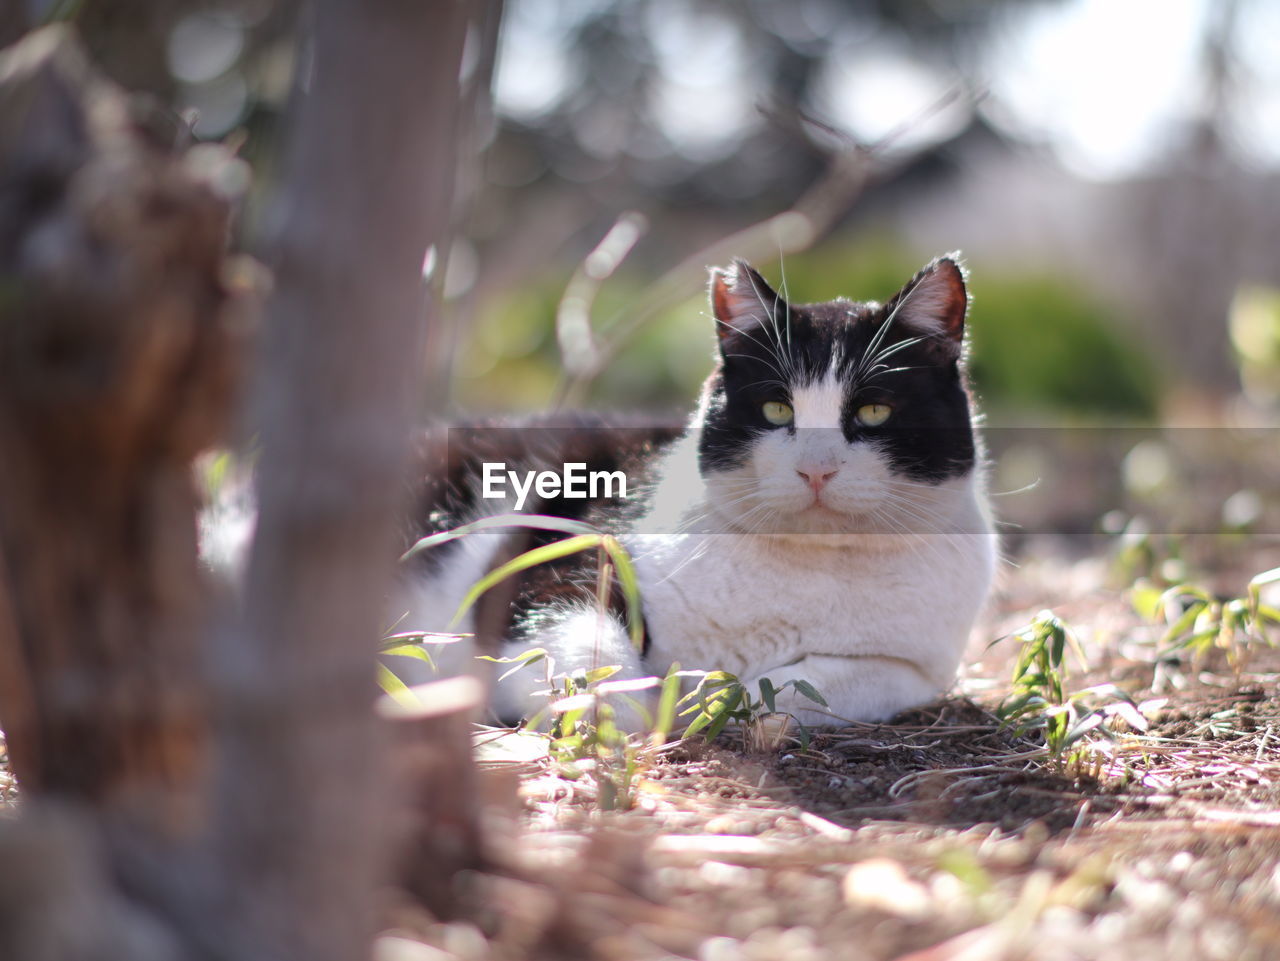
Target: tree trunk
368 192
117 364
117 346
226 787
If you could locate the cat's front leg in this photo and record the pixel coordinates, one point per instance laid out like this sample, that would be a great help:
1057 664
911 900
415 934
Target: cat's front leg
865 688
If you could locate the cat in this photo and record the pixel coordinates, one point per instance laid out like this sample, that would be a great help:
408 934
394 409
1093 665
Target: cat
823 517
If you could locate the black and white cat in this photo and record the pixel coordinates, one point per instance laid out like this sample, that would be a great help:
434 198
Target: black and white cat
823 517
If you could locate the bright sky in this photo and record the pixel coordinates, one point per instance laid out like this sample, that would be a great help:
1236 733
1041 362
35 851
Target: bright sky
1103 82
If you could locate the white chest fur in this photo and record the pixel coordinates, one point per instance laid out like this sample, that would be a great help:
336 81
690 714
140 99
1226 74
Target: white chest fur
876 621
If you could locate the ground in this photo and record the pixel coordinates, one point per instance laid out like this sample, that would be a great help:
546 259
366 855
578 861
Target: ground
943 835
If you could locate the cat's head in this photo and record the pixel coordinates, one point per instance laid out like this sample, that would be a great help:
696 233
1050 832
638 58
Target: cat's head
838 416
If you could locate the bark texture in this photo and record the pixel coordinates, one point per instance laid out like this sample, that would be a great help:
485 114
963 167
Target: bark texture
117 347
191 791
367 192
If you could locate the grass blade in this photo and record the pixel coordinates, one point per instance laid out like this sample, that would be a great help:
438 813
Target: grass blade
539 555
540 522
627 577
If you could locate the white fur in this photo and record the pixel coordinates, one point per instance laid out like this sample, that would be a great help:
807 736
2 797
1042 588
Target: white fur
867 589
579 638
428 604
877 620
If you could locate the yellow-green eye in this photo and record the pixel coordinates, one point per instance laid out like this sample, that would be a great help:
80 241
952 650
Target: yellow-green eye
777 413
873 415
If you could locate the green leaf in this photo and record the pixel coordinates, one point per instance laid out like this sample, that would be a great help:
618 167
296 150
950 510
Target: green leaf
574 702
626 573
1266 577
522 656
539 555
542 522
410 650
1132 716
725 715
570 744
809 691
1145 598
1058 634
698 723
396 688
422 637
1185 620
1081 728
720 680
521 660
665 718
767 692
602 673
1266 613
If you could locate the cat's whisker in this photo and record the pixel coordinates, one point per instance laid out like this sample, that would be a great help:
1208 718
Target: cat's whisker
786 303
879 370
781 374
871 361
772 313
918 497
920 544
873 347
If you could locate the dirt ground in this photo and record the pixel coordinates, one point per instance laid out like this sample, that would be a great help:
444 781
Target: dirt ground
942 835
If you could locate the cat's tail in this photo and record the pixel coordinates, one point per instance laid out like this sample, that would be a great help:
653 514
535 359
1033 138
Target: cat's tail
577 639
542 606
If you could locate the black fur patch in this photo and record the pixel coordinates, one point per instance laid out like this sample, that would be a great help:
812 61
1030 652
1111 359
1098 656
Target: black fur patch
929 438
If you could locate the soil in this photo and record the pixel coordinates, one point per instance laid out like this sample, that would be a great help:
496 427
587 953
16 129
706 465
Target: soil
941 835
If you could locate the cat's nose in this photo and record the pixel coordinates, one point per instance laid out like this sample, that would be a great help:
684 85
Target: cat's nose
816 477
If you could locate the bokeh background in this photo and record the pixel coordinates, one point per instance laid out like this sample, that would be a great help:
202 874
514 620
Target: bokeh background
1109 168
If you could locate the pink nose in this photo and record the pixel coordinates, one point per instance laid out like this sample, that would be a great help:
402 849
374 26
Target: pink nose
817 477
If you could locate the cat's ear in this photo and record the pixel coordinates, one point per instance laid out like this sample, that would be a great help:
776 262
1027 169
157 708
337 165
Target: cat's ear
933 304
740 299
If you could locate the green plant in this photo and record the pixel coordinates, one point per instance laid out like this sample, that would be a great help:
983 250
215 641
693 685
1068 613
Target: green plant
582 726
585 726
584 730
720 698
1198 621
1041 701
613 559
582 714
411 644
1138 552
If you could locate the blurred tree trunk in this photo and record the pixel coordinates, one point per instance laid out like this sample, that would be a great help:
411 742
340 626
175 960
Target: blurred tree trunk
368 187
117 365
244 816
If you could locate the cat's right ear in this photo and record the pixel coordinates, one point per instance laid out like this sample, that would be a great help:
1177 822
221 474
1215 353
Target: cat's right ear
740 299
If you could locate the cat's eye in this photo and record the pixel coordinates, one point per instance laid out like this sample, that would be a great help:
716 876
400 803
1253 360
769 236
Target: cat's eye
873 415
777 413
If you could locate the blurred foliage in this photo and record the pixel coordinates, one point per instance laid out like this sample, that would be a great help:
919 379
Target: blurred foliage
693 115
510 360
1255 335
1038 345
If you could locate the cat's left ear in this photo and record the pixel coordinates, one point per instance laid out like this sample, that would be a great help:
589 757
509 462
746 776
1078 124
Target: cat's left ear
933 304
740 298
